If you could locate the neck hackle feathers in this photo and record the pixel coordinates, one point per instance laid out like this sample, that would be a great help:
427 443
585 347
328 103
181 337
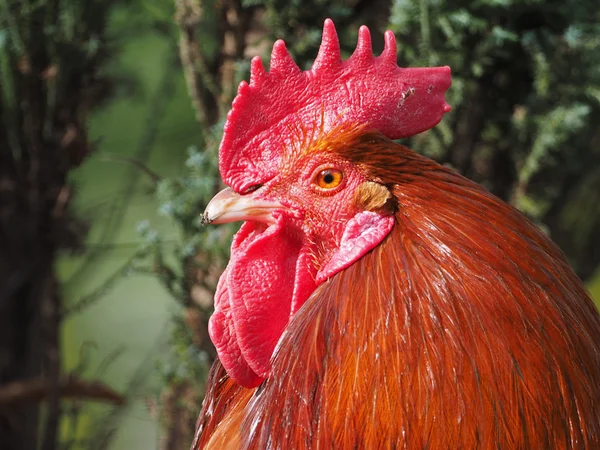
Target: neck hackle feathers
365 90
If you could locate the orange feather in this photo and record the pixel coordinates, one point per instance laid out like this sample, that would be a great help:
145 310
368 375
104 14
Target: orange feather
466 328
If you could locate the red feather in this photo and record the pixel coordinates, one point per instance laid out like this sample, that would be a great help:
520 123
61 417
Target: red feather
465 328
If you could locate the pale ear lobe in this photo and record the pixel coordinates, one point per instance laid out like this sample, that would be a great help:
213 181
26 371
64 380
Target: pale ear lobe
365 231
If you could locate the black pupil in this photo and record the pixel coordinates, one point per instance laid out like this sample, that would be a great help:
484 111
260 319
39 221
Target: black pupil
328 178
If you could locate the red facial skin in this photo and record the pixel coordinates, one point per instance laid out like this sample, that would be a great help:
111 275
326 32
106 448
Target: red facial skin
275 266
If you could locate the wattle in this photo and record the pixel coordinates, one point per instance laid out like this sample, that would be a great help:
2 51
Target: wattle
267 278
270 275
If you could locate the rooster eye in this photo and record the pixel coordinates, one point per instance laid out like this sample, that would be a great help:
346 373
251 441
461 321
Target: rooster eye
250 189
329 178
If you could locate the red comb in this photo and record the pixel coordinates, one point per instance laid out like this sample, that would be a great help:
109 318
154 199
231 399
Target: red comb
365 89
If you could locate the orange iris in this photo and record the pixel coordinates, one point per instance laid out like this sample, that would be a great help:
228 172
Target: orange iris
329 178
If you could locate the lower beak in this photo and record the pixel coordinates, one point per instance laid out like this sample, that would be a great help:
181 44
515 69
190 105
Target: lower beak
228 206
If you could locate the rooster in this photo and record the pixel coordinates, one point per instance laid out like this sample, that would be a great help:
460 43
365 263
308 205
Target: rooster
375 299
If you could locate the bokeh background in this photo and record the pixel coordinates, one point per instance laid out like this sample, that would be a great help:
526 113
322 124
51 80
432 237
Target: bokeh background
111 114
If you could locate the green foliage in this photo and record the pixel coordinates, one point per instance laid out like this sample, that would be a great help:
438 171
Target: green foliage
300 25
180 197
187 361
526 78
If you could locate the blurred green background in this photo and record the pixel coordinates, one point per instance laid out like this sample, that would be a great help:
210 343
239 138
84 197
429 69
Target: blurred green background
135 272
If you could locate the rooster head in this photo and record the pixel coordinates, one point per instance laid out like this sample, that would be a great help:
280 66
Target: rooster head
309 209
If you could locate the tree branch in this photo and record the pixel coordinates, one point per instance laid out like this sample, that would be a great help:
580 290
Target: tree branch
37 390
202 85
155 177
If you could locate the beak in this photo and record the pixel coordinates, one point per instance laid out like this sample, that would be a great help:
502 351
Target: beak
228 206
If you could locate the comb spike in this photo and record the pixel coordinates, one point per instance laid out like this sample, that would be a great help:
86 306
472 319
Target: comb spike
362 91
243 87
364 48
257 71
281 60
390 52
329 52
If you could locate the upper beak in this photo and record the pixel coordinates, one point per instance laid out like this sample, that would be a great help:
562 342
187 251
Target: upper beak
228 206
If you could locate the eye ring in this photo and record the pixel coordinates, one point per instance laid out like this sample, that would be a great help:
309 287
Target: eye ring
328 178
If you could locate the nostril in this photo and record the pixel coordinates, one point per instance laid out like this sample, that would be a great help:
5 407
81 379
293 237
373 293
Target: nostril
204 219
